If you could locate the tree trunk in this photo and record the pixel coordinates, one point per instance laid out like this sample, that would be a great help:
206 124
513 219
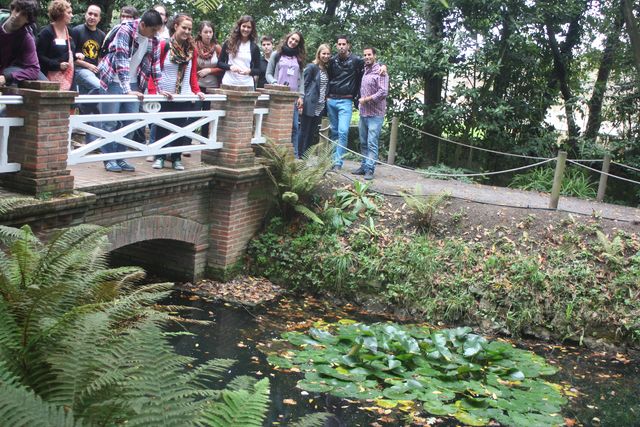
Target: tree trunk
432 83
606 63
632 29
330 9
561 72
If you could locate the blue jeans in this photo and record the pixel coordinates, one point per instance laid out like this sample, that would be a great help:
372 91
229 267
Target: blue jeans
369 129
114 108
339 111
88 84
87 81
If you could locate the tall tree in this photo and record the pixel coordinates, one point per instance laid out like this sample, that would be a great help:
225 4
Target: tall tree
604 70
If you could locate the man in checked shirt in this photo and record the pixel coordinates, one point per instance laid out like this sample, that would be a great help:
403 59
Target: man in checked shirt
373 106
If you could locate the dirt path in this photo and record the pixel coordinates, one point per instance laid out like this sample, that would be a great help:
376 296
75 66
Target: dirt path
390 180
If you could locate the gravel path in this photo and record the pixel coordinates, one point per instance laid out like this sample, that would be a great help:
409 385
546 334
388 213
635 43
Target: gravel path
390 180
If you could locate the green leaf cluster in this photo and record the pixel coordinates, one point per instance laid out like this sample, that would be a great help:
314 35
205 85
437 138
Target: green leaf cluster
575 182
450 372
83 344
293 181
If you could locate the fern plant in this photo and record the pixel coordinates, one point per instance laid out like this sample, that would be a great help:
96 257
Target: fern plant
81 343
424 207
294 181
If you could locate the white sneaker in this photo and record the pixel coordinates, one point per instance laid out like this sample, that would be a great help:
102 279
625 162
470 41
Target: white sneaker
177 165
158 164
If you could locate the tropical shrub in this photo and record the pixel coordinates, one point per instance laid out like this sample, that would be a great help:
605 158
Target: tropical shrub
294 181
575 182
424 207
446 372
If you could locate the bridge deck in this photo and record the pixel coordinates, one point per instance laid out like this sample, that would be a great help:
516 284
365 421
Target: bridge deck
87 175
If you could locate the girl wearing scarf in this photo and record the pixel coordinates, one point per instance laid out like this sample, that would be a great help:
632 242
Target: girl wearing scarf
209 74
178 59
285 68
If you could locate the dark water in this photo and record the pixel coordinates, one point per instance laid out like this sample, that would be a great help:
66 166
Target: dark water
607 385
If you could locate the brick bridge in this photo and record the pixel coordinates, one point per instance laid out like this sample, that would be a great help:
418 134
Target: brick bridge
183 224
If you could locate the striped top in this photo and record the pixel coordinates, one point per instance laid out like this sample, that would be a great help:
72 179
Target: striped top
376 86
322 98
170 76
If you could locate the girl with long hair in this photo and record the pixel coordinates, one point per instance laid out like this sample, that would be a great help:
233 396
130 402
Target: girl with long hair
209 74
240 57
178 59
316 81
285 68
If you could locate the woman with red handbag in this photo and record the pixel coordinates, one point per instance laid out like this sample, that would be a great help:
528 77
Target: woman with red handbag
55 47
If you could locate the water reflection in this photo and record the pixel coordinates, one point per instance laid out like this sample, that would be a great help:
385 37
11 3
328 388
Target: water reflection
608 387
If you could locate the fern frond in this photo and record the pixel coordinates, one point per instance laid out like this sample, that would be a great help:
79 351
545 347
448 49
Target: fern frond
20 406
317 419
207 6
9 203
240 408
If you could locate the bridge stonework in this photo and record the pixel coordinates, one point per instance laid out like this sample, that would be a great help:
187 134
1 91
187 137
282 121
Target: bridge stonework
191 224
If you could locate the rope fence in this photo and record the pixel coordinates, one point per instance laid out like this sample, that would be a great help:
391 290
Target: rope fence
560 160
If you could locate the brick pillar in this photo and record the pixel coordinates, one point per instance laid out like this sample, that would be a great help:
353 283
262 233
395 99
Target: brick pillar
41 145
235 129
277 124
237 212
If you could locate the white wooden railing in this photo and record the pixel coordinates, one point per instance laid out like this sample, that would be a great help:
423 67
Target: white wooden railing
91 124
5 124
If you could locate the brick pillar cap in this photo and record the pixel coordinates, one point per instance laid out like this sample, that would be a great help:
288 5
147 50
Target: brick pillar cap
279 91
237 91
39 85
34 93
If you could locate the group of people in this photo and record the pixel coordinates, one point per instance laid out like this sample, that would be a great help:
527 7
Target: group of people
155 55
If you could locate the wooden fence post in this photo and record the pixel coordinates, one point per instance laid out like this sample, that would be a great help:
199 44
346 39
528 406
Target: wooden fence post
324 128
393 141
557 179
602 186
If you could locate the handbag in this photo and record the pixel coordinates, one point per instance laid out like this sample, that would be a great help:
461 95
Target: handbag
65 78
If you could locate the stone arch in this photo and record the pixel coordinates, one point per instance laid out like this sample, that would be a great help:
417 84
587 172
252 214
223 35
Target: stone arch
171 246
155 227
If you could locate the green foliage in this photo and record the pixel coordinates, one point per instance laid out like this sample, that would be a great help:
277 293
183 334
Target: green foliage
575 182
240 407
294 181
449 372
424 207
446 170
81 343
515 285
357 199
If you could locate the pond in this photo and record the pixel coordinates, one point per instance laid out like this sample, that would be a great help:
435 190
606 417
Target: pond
603 386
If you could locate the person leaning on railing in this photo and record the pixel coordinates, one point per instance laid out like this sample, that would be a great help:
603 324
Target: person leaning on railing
179 63
133 58
18 57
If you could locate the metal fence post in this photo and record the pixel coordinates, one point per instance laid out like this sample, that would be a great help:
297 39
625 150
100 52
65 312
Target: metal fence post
557 179
602 186
393 141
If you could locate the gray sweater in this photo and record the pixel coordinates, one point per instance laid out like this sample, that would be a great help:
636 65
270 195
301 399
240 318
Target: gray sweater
273 68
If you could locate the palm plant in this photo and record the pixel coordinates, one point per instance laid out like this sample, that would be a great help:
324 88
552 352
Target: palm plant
294 181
